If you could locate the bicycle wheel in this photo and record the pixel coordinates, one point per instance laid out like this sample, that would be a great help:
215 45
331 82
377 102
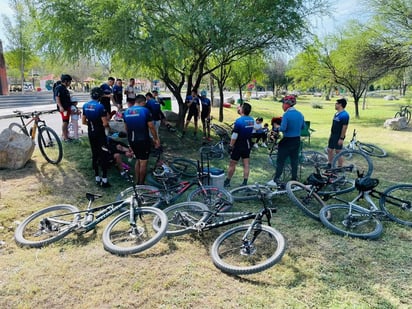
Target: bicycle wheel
372 150
397 115
184 166
337 185
16 127
396 201
358 223
360 162
46 226
408 116
246 250
212 197
310 157
149 196
182 217
304 198
50 145
121 237
210 152
247 193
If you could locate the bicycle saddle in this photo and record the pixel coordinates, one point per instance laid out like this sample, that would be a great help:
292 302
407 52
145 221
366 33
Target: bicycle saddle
366 183
316 180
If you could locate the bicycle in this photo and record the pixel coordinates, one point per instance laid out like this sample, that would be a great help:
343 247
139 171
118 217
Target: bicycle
354 220
218 150
244 249
130 232
369 149
48 141
404 112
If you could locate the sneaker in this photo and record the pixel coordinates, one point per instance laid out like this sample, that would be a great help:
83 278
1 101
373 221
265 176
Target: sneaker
226 184
272 183
264 145
106 185
255 146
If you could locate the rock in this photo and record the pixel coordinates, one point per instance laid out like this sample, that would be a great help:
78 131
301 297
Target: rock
15 149
171 116
216 102
230 100
390 98
117 126
396 123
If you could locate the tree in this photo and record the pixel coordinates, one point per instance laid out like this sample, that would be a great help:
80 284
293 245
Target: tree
275 71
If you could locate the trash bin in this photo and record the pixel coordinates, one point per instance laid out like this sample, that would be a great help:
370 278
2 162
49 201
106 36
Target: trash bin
217 176
168 103
240 101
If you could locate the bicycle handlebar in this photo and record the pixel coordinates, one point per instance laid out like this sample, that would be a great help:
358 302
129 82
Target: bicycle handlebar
33 114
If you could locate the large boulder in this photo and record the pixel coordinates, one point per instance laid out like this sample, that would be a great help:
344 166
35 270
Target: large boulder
171 116
396 123
15 149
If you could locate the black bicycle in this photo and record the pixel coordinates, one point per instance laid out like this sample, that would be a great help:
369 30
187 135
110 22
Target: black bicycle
243 249
130 232
48 141
404 112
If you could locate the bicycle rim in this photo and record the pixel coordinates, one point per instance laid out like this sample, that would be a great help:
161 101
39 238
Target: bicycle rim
305 199
396 201
359 161
372 150
50 145
184 166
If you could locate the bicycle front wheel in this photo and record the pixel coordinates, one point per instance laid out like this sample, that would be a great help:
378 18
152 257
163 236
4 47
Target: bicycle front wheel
247 193
310 157
372 150
50 145
122 237
305 199
352 221
149 196
185 167
182 217
46 226
212 197
396 201
248 249
359 161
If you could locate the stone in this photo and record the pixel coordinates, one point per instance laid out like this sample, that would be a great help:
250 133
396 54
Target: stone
15 149
171 116
117 126
396 123
216 102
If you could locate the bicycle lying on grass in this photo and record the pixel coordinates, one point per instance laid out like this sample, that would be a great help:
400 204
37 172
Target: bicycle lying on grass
218 150
244 249
130 232
48 141
351 219
404 112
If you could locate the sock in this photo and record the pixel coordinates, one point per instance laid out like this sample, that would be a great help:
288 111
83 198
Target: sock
104 180
98 179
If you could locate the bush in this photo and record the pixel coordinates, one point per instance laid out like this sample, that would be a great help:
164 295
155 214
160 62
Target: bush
317 105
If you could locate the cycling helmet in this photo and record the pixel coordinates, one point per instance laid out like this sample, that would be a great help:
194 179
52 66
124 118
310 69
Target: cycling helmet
366 183
96 93
289 99
66 78
203 93
316 180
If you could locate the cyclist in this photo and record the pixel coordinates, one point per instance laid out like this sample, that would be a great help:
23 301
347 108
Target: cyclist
64 103
205 115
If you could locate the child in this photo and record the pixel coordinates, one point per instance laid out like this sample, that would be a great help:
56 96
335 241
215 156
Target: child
258 133
75 116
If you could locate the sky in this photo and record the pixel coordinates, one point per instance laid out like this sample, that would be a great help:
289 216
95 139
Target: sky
342 12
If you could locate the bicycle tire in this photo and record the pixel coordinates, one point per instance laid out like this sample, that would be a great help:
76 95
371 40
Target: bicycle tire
372 150
211 153
29 228
397 115
50 145
185 167
150 196
247 193
18 128
340 186
230 255
408 116
305 199
118 239
336 218
211 196
347 155
182 217
311 157
361 162
396 202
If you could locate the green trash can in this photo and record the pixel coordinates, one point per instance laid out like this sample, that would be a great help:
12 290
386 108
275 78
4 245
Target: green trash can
240 101
168 103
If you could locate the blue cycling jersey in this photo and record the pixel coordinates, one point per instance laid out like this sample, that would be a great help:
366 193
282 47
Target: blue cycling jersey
136 119
292 123
94 111
205 103
339 120
155 109
243 127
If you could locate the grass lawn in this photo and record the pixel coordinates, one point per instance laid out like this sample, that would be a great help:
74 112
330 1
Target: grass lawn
319 269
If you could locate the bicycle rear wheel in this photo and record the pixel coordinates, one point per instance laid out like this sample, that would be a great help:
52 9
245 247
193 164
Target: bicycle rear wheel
247 193
46 226
359 161
372 150
305 199
212 197
310 157
396 201
184 166
121 237
182 217
16 127
352 221
240 251
50 145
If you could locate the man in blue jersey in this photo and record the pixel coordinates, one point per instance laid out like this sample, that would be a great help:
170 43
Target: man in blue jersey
155 108
107 96
291 125
240 144
95 117
118 94
138 122
193 104
338 130
205 115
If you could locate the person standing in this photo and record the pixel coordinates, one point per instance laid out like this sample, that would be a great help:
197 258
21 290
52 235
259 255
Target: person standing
138 122
154 106
291 125
338 130
193 104
107 96
118 94
130 92
240 144
205 115
95 117
63 102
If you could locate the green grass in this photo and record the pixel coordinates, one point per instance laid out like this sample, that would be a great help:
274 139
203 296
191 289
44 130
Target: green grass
318 270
